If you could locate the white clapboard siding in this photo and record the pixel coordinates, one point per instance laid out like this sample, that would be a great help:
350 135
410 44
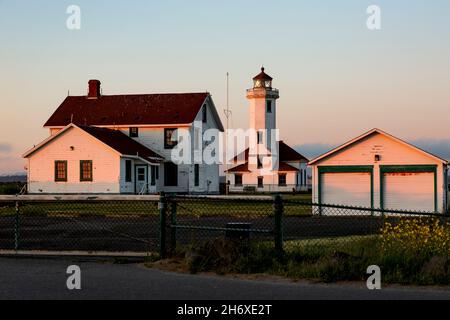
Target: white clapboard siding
72 146
410 191
416 191
351 189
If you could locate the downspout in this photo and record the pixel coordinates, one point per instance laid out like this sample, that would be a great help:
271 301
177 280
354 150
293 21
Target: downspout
446 190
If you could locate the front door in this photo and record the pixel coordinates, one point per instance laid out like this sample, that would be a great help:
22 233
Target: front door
141 180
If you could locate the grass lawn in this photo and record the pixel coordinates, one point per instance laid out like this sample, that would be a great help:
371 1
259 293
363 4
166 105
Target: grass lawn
237 208
250 208
80 208
331 242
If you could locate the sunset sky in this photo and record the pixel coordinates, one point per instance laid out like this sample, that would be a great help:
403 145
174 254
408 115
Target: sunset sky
337 79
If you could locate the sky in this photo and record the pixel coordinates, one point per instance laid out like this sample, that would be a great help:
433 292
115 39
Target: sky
337 79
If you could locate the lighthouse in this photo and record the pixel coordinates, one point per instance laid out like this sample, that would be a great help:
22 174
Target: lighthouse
263 108
267 165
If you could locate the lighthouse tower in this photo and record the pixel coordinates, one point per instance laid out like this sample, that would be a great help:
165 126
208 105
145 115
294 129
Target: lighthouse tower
267 165
263 108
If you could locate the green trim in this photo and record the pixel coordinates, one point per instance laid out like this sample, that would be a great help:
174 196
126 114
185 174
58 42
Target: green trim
345 169
64 179
337 169
408 169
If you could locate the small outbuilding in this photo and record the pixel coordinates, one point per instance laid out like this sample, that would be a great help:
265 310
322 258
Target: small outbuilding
378 170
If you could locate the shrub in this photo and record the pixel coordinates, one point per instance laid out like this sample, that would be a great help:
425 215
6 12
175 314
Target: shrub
413 251
10 188
419 236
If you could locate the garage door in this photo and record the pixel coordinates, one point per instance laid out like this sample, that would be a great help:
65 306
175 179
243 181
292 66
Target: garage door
409 191
347 188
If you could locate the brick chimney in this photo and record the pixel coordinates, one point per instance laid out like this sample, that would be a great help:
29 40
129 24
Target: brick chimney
94 89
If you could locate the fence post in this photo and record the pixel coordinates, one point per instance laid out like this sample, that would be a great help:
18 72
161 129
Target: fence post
162 225
17 227
278 232
173 228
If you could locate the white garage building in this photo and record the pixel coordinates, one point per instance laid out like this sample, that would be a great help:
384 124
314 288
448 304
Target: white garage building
377 170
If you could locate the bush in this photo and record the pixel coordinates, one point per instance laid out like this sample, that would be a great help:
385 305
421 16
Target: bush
420 236
414 251
10 188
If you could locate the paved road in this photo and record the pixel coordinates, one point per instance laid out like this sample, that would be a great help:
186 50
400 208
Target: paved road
26 278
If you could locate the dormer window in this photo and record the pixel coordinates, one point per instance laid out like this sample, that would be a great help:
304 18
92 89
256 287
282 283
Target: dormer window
170 139
134 132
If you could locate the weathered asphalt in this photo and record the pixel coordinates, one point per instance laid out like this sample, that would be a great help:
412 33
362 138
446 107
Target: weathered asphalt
39 278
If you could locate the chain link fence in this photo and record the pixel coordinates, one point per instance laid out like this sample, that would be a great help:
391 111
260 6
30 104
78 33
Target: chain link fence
111 226
194 221
163 224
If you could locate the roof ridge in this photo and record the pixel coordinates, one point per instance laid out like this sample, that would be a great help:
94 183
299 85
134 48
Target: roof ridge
141 94
131 109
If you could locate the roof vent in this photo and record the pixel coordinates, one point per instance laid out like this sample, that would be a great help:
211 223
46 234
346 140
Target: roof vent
94 89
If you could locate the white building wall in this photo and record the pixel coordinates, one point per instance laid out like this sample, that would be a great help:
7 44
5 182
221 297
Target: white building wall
106 165
127 187
391 152
153 137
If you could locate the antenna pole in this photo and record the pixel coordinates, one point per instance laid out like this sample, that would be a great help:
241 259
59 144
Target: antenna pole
227 112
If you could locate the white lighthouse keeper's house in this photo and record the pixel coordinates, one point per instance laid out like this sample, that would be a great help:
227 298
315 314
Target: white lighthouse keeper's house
122 144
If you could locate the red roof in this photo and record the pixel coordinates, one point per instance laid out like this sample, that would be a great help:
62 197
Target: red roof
240 168
289 154
262 75
283 167
122 143
286 153
143 109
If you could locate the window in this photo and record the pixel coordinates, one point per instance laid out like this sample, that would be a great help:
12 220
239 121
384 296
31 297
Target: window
204 114
170 174
260 137
282 179
153 177
260 163
134 132
141 174
86 170
269 106
60 171
238 179
169 134
260 182
196 175
128 170
157 173
197 139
